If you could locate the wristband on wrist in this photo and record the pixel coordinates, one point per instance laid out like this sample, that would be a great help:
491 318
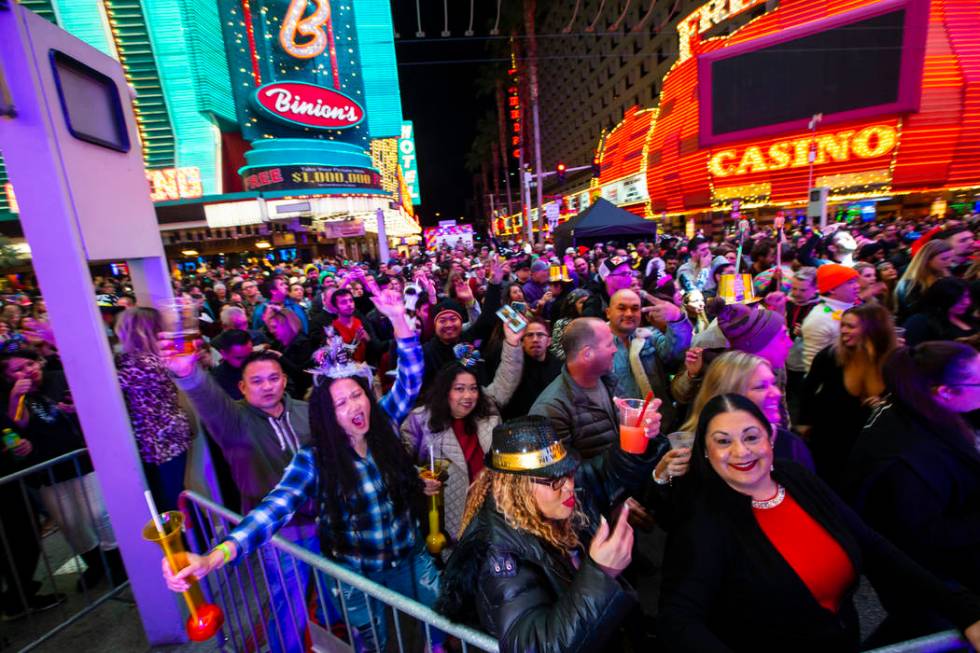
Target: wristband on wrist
225 552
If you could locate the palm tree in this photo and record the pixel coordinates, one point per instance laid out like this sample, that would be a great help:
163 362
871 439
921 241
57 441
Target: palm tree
478 158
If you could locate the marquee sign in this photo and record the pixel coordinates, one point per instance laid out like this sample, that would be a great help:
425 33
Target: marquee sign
307 105
409 162
175 183
908 128
308 177
868 143
706 17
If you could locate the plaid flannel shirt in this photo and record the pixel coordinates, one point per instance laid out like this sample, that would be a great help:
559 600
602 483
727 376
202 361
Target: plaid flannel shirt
380 536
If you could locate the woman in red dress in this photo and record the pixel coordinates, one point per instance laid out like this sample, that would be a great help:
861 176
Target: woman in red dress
767 559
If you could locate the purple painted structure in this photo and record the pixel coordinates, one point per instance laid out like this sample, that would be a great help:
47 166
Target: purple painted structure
910 82
82 202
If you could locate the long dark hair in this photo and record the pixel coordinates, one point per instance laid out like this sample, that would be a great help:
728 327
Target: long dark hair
941 296
338 479
701 471
912 373
437 399
877 331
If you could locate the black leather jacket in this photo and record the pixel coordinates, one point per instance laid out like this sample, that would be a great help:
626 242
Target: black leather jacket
529 595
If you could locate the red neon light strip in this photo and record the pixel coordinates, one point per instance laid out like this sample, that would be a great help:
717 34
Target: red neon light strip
250 31
332 48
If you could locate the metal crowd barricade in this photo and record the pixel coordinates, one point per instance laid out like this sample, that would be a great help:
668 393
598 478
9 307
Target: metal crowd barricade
25 628
944 642
243 592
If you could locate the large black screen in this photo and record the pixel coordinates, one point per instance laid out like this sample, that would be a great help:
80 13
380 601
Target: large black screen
840 69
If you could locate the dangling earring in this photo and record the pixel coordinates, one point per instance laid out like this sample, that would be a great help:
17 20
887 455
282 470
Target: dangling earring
772 467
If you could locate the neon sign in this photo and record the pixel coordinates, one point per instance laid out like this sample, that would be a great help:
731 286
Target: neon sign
174 184
8 189
514 104
308 105
868 143
707 16
294 24
409 162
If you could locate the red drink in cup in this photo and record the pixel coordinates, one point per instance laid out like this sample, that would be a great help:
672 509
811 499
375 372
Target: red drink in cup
632 434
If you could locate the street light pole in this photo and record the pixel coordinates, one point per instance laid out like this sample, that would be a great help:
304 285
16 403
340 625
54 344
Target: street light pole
812 156
527 204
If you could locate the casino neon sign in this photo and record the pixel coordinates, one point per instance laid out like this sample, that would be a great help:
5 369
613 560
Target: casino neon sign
868 143
308 105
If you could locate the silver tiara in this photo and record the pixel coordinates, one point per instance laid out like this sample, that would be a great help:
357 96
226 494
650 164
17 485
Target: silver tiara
335 360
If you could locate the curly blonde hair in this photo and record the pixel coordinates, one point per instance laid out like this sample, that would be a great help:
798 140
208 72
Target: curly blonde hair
514 498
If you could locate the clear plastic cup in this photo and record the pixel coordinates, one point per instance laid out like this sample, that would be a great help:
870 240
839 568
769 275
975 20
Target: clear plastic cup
180 323
632 434
681 439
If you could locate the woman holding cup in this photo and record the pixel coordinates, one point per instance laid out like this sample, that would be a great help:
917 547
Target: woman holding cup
457 417
763 538
741 373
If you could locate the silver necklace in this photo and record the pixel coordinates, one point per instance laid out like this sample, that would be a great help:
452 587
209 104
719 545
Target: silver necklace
773 502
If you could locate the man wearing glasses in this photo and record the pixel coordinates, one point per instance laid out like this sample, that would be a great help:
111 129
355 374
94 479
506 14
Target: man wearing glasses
251 297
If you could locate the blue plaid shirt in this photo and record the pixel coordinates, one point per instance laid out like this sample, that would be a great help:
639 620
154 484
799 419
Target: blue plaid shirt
380 536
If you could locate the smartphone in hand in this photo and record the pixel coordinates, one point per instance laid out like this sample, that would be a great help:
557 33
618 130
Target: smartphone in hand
511 318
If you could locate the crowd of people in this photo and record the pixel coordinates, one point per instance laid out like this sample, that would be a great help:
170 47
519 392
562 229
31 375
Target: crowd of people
813 411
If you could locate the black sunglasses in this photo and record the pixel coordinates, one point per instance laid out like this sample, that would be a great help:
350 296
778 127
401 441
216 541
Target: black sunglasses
555 484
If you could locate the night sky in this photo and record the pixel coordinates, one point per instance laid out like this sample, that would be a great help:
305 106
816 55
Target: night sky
438 95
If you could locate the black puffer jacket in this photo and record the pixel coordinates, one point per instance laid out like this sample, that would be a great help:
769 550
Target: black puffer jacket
529 595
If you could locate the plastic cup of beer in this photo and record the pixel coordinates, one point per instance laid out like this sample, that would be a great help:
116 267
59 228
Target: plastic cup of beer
180 323
632 434
681 439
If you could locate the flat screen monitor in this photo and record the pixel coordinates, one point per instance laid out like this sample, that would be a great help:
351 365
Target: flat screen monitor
90 103
855 65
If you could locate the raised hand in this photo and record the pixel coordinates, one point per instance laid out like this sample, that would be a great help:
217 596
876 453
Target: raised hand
675 463
496 272
177 361
662 311
613 551
389 303
512 337
776 302
694 361
652 418
463 291
370 284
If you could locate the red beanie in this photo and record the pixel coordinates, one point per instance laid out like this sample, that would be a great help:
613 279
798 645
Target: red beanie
832 275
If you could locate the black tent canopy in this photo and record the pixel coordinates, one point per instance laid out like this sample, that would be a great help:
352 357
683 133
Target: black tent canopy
601 222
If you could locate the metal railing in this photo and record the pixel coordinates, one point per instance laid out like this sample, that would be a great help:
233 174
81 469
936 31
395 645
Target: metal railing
252 624
944 642
26 554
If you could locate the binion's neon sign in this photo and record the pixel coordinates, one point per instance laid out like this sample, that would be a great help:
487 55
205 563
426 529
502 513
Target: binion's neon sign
868 143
